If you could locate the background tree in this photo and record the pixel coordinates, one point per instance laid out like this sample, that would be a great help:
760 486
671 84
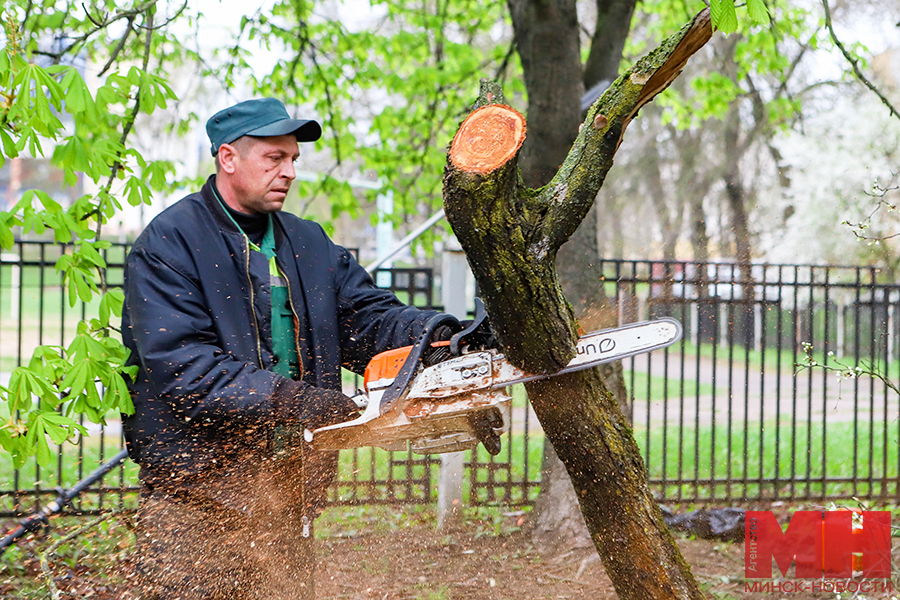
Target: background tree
778 80
548 42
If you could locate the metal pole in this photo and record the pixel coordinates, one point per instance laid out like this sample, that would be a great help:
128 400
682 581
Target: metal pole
454 276
407 240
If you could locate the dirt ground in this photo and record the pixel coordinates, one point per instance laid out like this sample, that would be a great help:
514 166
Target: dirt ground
398 556
424 564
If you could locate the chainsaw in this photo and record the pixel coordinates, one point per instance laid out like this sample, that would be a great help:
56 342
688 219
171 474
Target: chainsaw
427 394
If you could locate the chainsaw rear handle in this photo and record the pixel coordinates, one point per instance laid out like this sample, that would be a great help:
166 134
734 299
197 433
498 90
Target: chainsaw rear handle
401 382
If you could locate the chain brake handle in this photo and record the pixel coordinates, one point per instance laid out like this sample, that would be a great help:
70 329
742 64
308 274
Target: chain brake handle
477 335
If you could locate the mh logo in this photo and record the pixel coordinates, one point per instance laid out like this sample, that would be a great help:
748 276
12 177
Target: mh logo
822 544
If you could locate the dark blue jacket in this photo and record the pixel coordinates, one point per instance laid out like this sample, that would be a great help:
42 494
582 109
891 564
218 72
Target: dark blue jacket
195 321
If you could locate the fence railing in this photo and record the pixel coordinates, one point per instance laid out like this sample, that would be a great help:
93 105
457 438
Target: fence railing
728 415
723 416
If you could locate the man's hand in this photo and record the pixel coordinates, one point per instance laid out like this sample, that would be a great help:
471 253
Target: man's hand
487 425
312 407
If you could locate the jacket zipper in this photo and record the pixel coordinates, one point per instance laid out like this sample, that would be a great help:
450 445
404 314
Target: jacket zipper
307 522
287 284
252 301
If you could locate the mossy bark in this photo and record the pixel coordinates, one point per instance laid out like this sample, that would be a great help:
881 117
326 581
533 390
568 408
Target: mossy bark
511 235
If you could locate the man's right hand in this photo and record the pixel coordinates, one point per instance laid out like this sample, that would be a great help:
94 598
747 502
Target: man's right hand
312 407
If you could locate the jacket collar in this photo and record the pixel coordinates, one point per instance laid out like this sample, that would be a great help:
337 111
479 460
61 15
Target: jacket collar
218 213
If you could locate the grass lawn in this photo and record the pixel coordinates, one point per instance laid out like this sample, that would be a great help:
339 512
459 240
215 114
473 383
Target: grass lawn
774 451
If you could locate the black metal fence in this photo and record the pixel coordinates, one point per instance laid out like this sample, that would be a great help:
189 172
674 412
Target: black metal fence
728 415
723 416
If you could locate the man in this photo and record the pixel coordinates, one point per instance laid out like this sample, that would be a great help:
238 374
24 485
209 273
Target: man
239 318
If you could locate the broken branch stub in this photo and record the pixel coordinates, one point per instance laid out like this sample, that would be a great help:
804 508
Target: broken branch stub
492 219
488 138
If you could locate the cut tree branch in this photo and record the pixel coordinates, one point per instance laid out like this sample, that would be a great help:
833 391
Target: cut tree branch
545 218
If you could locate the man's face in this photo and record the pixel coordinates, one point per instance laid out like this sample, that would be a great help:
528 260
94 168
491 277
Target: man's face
263 170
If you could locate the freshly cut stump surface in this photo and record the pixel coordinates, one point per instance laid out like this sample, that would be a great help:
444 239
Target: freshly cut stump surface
487 139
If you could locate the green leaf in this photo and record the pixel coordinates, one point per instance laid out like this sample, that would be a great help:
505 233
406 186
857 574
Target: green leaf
42 453
50 205
25 383
88 253
36 438
724 16
78 96
61 427
6 440
110 303
116 298
19 453
84 288
73 157
19 390
7 239
9 146
58 427
138 192
78 377
55 92
117 396
73 292
758 12
93 398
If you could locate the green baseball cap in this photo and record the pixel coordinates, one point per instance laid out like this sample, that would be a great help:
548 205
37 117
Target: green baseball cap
265 117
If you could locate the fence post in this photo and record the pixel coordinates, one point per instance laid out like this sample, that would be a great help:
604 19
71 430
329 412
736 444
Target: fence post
757 325
384 235
890 332
841 308
454 276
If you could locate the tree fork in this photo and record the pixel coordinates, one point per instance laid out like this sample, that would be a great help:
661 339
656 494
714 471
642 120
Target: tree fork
511 235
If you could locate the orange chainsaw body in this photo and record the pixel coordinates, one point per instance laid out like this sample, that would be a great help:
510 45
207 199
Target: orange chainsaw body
385 366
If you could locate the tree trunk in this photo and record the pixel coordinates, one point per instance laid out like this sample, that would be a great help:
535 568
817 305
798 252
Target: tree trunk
546 35
734 192
547 39
608 41
561 525
669 216
511 235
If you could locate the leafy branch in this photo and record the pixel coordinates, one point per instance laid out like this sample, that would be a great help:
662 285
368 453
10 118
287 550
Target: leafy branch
88 377
878 192
854 62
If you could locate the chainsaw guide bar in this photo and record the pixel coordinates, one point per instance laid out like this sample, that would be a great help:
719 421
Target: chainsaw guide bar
433 412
